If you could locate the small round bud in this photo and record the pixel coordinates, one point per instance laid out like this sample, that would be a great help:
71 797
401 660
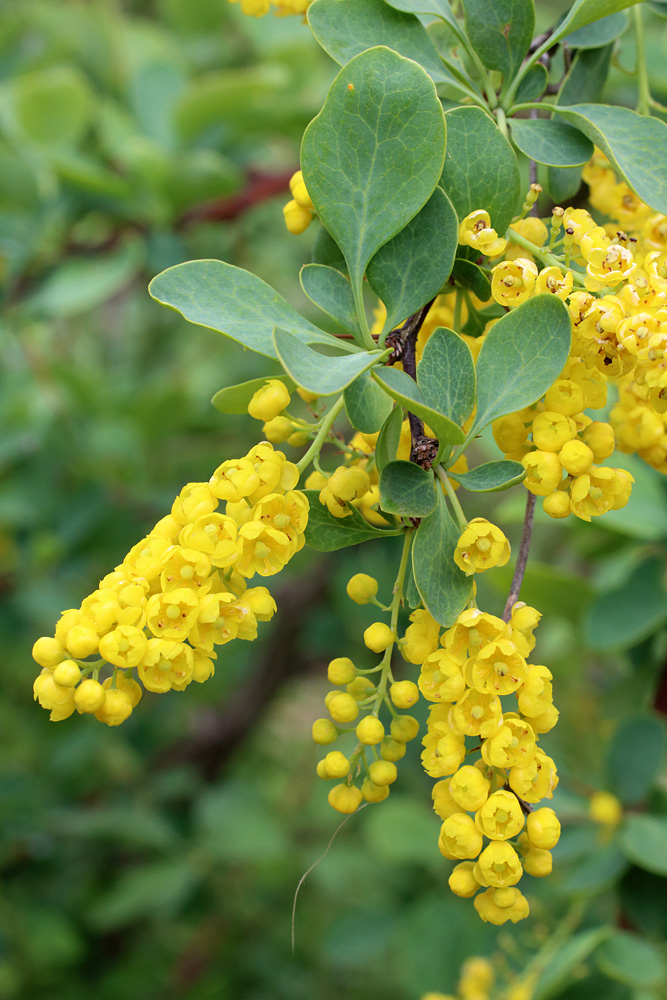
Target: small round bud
383 772
392 749
269 401
81 641
372 792
306 396
360 688
341 670
404 694
298 439
362 588
324 732
343 707
557 504
345 798
462 882
543 828
336 764
89 696
297 219
538 863
575 457
67 674
378 637
370 731
405 728
278 430
48 652
604 808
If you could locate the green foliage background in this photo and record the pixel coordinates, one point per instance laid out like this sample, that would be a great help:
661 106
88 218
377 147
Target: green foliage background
160 859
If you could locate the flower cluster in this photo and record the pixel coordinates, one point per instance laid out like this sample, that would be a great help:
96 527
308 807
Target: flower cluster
374 757
478 980
180 592
282 8
300 211
467 673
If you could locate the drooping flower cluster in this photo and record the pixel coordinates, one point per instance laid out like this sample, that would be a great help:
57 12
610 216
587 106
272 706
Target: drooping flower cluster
374 757
470 673
179 593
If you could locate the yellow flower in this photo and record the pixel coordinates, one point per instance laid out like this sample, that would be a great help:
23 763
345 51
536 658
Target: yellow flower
498 866
345 485
194 500
234 479
269 401
443 804
497 906
441 678
362 588
185 568
552 279
459 838
510 432
500 818
421 638
473 629
297 218
462 882
469 788
498 668
605 809
543 828
481 546
264 550
475 231
345 798
125 645
116 708
513 282
600 490
166 664
285 512
543 472
476 714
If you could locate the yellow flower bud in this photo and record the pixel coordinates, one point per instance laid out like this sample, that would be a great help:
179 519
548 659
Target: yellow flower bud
557 504
500 818
462 882
543 472
469 788
335 765
299 191
324 732
404 694
538 863
67 674
378 637
89 696
600 439
48 652
362 588
278 430
297 218
345 798
116 708
552 430
269 401
459 838
341 670
543 828
498 865
343 707
383 772
372 792
605 809
391 748
575 457
370 731
404 728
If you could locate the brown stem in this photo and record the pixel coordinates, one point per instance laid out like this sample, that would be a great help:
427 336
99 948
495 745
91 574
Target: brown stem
522 558
404 343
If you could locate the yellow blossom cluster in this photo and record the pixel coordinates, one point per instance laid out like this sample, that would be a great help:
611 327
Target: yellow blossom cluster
468 673
478 980
282 8
373 759
179 592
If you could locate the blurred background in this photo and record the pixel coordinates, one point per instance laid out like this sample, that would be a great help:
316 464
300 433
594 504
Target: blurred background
160 859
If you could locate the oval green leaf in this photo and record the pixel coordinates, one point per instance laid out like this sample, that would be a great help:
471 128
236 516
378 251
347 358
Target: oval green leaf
491 477
636 757
500 32
368 406
480 168
555 143
389 438
324 374
644 841
602 32
629 959
407 490
410 270
344 28
235 398
372 157
439 8
635 145
331 292
406 392
234 302
559 970
622 617
584 12
327 533
443 587
446 375
522 355
469 275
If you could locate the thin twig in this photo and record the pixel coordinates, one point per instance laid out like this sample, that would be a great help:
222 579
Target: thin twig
404 342
522 558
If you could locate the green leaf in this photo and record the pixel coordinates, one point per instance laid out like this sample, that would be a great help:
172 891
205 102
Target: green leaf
412 595
481 168
83 283
522 355
439 8
51 107
344 28
406 392
326 251
410 270
559 970
235 398
584 12
469 275
327 533
629 959
332 293
389 438
446 375
372 157
407 490
533 84
644 841
636 757
622 617
597 870
234 302
491 477
555 143
324 374
158 888
367 405
444 588
602 32
500 31
635 145
584 81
